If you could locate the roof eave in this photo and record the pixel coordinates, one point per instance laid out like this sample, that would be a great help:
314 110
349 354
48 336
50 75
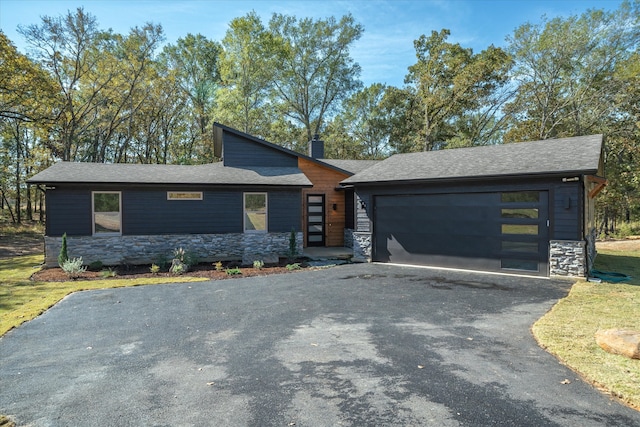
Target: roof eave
554 174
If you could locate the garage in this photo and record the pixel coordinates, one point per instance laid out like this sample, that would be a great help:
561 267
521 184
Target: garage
495 231
520 208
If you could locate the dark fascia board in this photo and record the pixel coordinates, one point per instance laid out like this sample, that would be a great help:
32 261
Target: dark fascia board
163 185
471 179
218 146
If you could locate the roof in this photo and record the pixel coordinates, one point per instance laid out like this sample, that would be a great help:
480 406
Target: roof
351 166
575 155
347 166
127 173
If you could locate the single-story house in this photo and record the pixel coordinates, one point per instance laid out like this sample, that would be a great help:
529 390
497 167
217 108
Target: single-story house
515 208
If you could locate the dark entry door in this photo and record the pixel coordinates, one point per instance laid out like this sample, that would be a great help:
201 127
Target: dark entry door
476 231
315 220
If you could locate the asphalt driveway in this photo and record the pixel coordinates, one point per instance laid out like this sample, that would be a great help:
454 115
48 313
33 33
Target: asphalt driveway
351 345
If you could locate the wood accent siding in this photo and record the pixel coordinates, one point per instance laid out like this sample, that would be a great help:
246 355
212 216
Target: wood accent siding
240 152
325 180
68 211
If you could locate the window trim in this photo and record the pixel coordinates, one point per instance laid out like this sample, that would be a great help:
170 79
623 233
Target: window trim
244 211
93 214
197 195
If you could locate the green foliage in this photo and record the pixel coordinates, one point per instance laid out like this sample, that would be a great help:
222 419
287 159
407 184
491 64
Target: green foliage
109 272
294 266
154 269
219 266
95 265
162 262
293 245
233 271
73 267
63 256
258 264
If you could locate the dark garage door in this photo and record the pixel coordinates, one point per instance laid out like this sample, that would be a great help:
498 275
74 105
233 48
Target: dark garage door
504 232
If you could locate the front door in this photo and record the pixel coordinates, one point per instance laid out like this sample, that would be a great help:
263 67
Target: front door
315 220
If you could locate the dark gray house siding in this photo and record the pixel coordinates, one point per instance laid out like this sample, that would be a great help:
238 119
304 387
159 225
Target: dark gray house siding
68 211
567 202
148 212
242 152
285 211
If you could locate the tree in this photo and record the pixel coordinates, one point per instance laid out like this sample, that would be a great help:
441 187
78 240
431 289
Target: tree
452 82
194 61
314 71
564 71
365 123
246 69
97 74
26 90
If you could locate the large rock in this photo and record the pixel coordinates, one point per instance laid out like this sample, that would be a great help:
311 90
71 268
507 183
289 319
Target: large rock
624 342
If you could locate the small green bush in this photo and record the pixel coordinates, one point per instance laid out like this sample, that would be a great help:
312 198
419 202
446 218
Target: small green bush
108 272
154 269
293 245
162 262
294 266
73 267
63 256
258 264
219 266
95 265
233 271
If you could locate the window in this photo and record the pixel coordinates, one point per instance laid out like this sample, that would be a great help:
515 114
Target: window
520 197
184 195
106 213
255 212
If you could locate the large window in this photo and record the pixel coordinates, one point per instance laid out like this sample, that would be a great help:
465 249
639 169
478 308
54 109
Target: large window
106 213
255 212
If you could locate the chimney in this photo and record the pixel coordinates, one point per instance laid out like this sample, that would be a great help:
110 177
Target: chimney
316 147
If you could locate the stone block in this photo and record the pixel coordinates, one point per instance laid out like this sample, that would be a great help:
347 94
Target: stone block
624 342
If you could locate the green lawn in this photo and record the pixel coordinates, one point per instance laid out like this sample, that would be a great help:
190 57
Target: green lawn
22 299
568 330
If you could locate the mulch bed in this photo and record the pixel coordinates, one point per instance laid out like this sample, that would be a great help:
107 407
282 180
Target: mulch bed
141 271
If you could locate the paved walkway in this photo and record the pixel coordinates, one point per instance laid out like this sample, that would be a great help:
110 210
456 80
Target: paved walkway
351 345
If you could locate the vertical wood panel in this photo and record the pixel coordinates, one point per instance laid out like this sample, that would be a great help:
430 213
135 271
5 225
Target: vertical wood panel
325 180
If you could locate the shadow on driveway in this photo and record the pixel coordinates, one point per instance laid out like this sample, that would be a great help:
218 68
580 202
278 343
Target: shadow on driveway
350 345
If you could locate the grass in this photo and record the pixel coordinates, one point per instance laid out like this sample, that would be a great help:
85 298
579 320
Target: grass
22 299
568 329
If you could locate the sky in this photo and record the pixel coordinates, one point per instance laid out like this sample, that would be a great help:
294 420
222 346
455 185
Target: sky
384 51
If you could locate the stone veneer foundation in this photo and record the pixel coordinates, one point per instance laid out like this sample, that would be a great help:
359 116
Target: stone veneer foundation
568 258
132 250
361 244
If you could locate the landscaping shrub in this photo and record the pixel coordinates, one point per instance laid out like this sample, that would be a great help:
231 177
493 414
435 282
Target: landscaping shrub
258 264
293 245
63 256
73 267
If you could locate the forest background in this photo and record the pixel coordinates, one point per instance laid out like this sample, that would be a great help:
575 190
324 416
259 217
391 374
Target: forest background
84 93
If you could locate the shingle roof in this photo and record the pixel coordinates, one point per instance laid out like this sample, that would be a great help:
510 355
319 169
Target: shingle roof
125 173
551 156
351 166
